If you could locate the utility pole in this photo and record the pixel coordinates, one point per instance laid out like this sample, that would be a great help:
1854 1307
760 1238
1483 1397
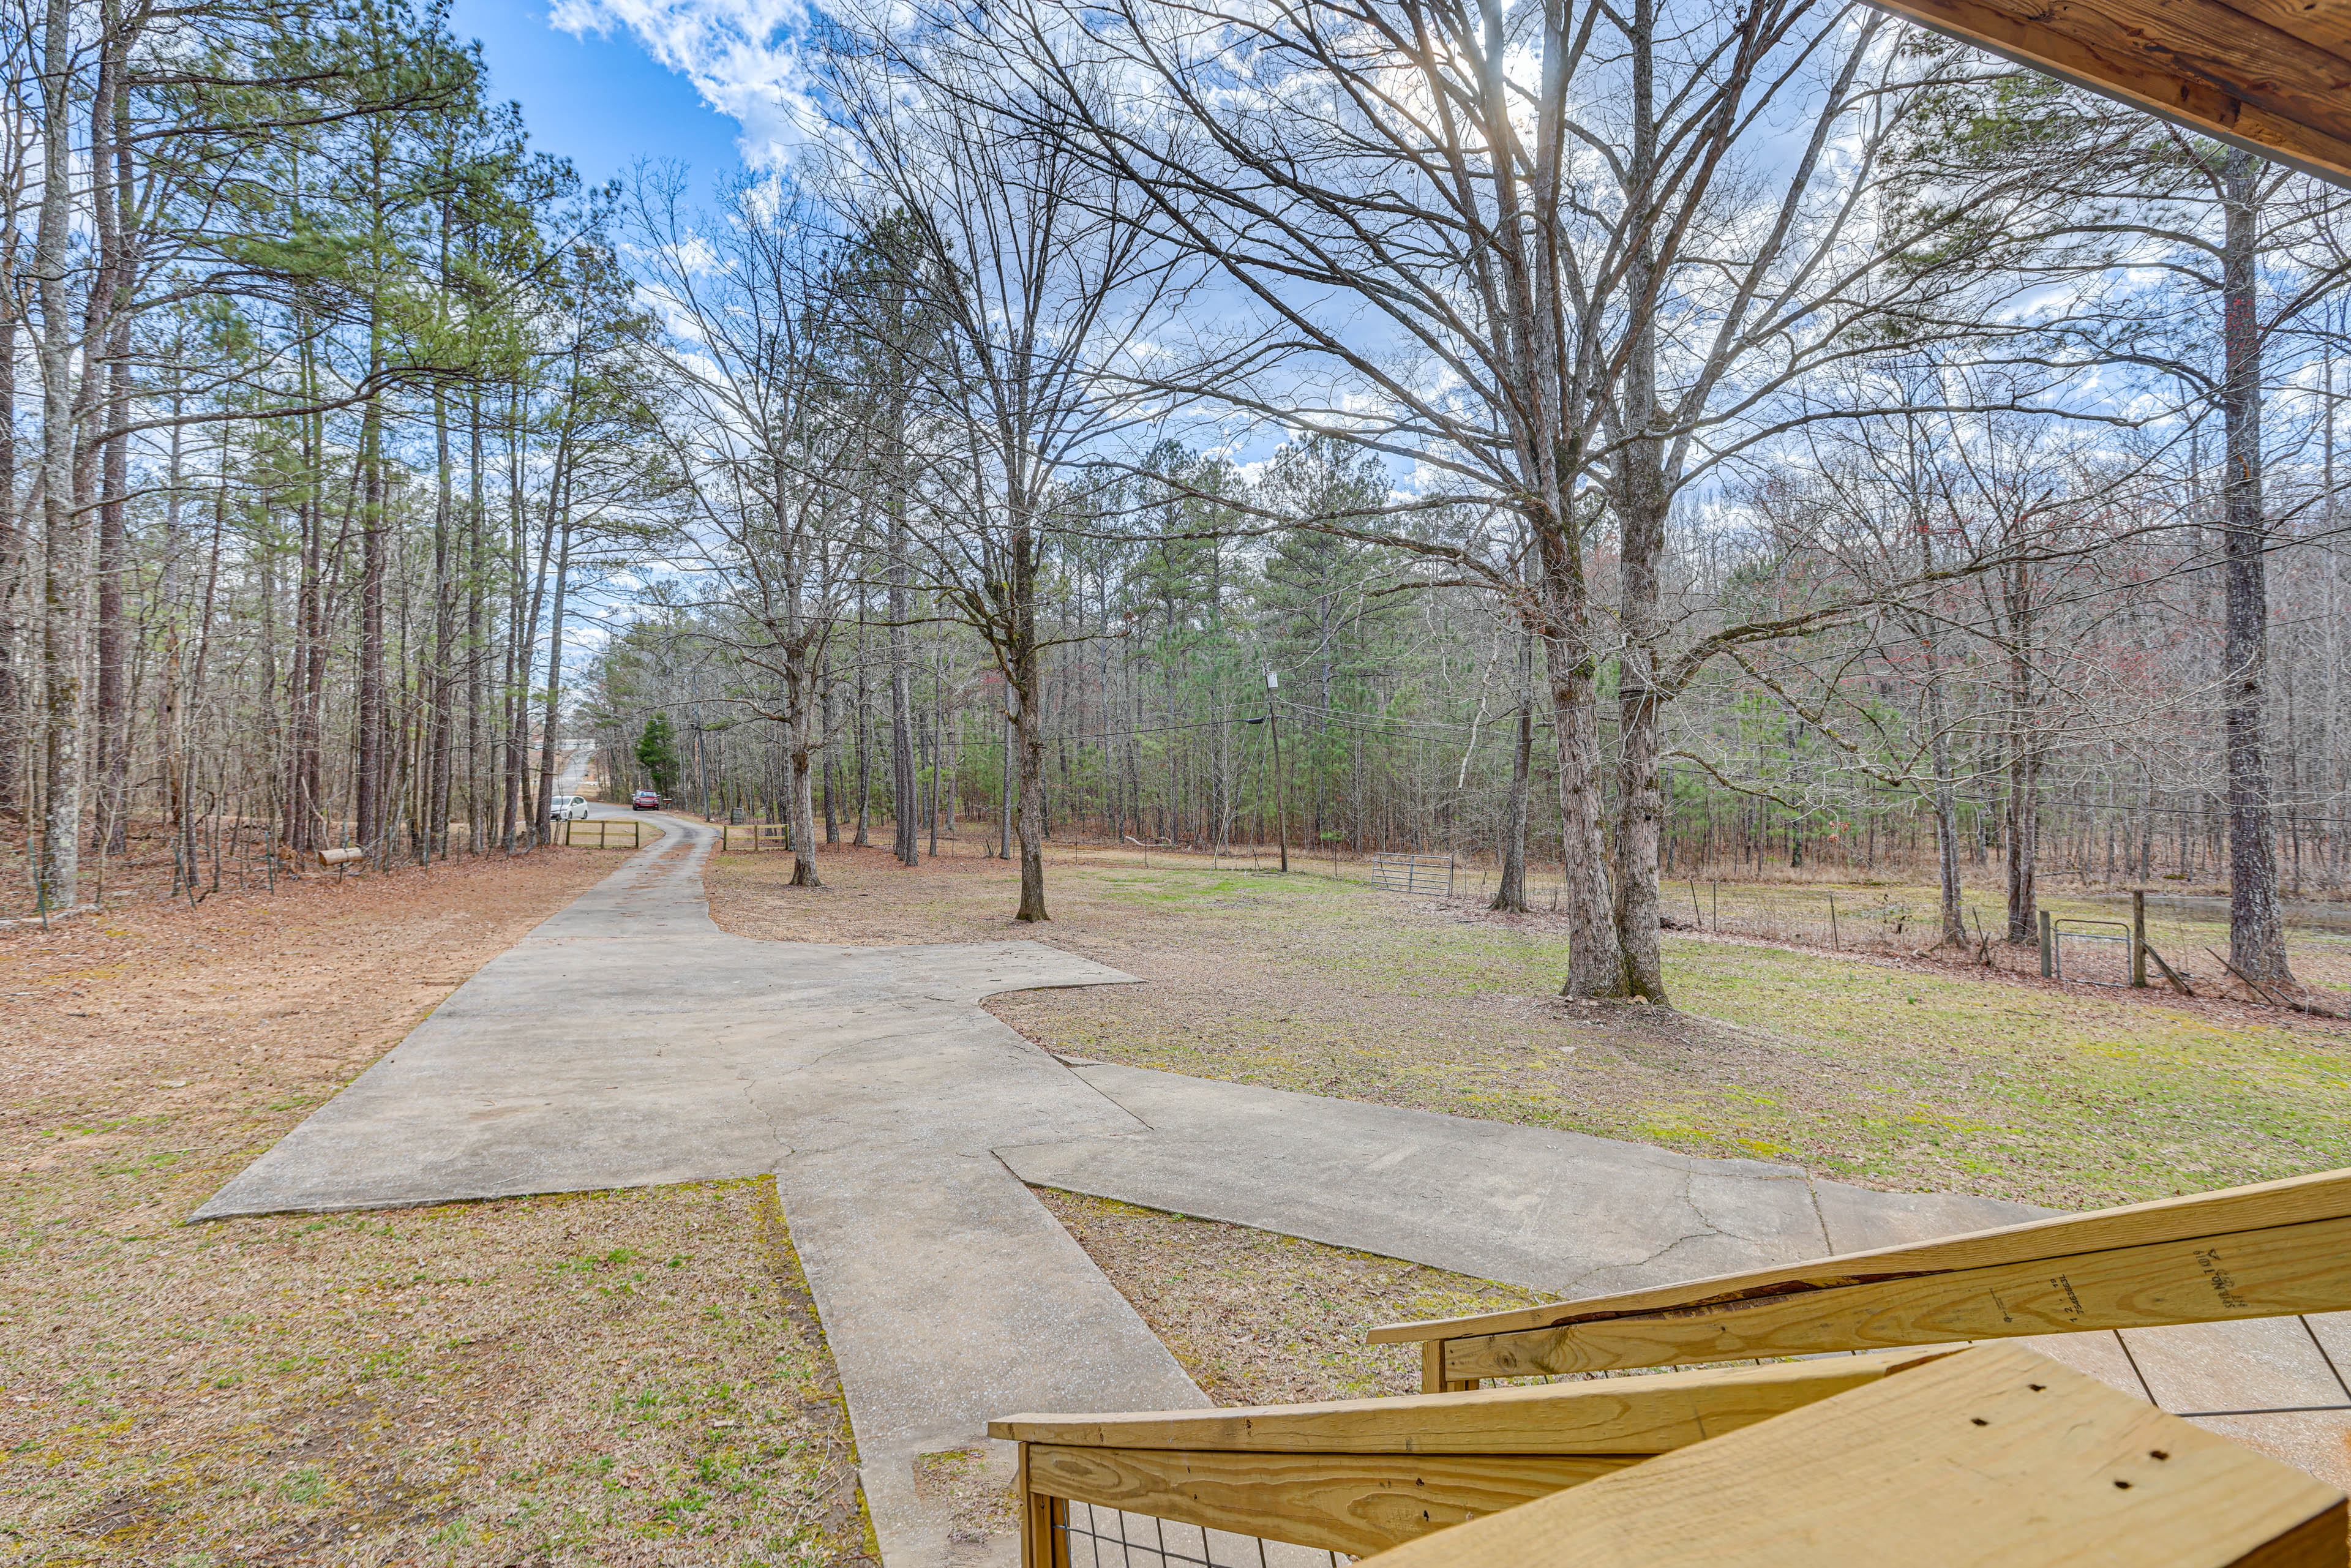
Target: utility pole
1280 788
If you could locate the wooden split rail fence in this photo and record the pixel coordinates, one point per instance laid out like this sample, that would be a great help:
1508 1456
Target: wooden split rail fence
629 834
604 833
755 836
1879 1416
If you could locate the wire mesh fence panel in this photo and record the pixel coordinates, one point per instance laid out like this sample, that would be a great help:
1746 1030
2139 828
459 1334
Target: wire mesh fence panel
2090 952
1427 874
1086 1536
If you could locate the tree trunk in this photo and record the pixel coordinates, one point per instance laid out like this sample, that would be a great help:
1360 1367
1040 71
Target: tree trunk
2256 923
440 712
864 741
904 811
375 826
1945 800
1642 498
2023 825
65 574
544 812
2023 845
831 768
801 702
1640 811
477 573
113 560
1029 739
13 540
1511 891
1595 960
109 325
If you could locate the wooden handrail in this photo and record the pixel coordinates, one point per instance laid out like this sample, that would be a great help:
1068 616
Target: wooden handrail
1362 1474
1652 1415
2268 1250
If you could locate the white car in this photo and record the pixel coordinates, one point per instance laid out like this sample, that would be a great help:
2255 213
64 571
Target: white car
571 808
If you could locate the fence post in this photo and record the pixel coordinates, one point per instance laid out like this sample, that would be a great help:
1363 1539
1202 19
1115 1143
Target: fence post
2048 949
1834 945
2138 939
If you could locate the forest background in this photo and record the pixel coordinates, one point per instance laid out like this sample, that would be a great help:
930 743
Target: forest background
1675 440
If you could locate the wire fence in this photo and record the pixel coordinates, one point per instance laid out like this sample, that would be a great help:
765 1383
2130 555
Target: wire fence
2189 932
1086 1536
2090 944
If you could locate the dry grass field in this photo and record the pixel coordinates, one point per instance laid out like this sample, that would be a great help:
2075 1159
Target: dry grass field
609 1378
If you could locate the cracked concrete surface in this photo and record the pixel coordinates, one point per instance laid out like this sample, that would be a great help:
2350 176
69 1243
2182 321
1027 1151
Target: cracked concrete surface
1555 1211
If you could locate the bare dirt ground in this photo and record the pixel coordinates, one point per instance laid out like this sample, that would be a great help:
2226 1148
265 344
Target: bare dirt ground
1261 1319
609 1379
1889 1072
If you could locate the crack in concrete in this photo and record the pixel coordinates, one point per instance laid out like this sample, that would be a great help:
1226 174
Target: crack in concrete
1689 1178
783 1145
1820 1216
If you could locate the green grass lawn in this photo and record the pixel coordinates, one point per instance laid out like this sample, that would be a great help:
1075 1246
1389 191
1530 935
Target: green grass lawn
1893 1073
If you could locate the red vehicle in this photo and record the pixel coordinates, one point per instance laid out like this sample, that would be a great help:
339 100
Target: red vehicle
644 800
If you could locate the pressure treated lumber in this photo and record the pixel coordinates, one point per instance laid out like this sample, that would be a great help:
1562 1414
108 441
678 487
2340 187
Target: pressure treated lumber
1358 1503
2250 1274
2297 1200
1652 1415
2271 75
1991 1456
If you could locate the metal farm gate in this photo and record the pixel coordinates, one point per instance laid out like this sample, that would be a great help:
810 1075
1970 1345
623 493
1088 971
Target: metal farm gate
1428 875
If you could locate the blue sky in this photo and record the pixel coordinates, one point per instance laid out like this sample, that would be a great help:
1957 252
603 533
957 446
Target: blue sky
601 101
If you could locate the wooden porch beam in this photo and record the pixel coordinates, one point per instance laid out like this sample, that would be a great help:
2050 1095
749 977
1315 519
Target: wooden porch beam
2272 76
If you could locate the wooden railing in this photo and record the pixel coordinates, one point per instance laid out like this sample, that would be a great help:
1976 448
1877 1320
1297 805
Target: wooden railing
755 836
1361 1476
2279 1249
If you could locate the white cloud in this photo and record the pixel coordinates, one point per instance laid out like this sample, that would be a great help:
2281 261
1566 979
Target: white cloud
742 56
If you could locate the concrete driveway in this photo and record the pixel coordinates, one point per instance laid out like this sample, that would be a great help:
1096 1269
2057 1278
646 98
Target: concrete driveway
629 1041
